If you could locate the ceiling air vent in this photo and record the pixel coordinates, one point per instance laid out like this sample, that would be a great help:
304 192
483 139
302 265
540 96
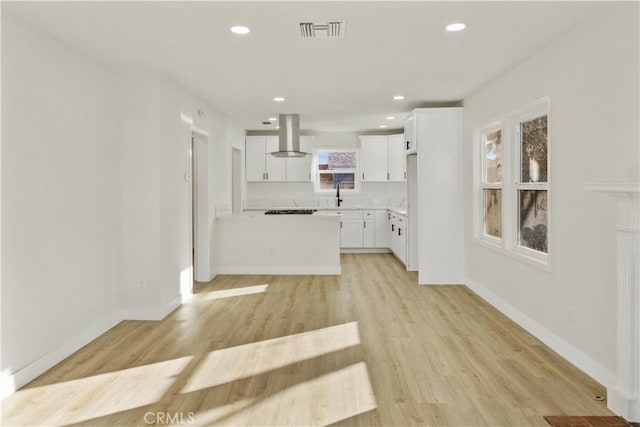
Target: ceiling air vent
332 29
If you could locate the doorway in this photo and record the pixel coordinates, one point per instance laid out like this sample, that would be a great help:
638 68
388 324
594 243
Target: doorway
236 180
198 206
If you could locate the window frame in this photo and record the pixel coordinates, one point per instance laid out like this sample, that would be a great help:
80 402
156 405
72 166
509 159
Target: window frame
316 173
509 245
483 185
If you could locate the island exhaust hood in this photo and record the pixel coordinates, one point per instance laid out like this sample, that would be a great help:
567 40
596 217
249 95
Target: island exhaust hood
289 137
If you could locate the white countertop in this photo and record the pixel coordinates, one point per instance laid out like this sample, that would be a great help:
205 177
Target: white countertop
398 210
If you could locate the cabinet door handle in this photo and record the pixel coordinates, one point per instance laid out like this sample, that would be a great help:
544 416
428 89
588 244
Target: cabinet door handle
393 228
267 176
264 175
405 175
340 224
408 144
387 175
362 175
399 231
365 224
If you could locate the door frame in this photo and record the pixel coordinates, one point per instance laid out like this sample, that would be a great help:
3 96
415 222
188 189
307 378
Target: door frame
199 215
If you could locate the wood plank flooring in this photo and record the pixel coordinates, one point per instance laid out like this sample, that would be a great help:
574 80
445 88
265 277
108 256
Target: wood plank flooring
367 348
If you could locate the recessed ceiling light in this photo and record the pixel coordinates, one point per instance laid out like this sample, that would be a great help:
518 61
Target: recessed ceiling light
273 119
382 126
458 26
278 99
398 97
390 118
239 29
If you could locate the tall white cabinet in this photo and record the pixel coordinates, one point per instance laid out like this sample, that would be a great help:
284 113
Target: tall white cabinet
435 135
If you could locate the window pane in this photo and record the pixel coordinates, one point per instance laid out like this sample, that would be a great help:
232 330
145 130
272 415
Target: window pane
493 157
342 160
330 181
534 150
533 219
326 181
346 180
493 213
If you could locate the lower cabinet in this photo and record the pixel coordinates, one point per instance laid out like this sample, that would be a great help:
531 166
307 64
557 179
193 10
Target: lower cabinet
398 236
368 233
369 229
351 233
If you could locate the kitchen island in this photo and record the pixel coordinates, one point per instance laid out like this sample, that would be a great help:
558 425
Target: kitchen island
254 243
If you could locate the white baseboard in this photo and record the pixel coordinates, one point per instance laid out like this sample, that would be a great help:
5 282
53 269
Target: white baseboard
151 313
287 270
365 251
578 358
12 381
623 404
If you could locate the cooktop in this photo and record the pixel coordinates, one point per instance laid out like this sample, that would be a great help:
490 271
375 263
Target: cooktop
290 212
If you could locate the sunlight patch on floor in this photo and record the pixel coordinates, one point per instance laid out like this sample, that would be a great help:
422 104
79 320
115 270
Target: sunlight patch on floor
236 292
92 397
247 360
324 400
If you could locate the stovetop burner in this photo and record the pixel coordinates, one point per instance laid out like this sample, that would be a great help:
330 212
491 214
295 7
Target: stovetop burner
290 212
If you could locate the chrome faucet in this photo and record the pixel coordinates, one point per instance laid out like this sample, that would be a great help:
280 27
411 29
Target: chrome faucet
338 194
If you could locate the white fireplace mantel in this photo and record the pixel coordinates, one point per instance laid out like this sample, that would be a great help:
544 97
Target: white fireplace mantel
623 398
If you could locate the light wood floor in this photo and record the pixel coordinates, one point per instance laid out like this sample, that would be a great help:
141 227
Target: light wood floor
370 347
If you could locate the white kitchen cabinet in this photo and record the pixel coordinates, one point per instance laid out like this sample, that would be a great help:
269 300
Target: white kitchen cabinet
435 196
275 167
411 134
254 159
401 246
351 233
396 158
259 165
368 233
299 168
373 158
382 158
382 229
398 236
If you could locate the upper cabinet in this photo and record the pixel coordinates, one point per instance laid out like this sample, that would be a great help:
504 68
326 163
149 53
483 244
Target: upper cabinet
260 166
373 158
299 168
382 158
411 134
396 158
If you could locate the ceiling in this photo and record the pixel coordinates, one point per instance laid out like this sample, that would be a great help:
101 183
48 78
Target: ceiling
343 84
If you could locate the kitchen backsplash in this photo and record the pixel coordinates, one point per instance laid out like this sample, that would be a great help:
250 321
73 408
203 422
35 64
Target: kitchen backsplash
269 195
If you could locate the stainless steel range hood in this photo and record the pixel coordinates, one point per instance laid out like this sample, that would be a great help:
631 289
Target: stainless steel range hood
289 137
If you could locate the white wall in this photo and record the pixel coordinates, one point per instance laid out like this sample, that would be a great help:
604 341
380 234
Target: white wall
95 204
592 78
140 157
157 117
60 197
277 193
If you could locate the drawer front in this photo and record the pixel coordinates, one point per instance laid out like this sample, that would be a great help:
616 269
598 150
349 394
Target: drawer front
351 214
